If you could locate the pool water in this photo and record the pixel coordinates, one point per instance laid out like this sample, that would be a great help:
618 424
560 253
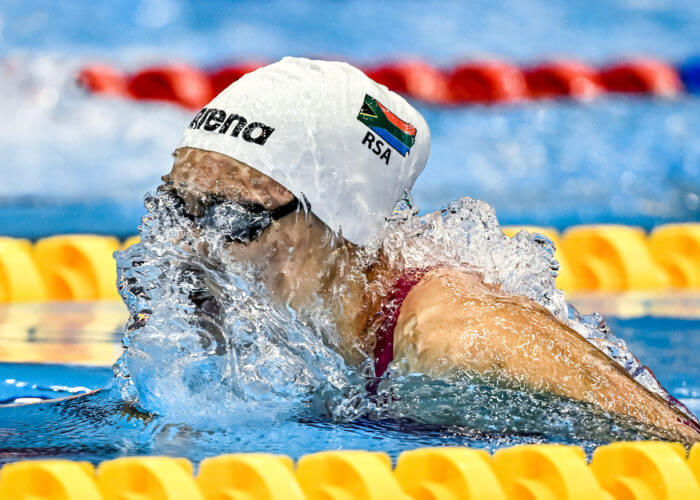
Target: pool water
99 426
81 163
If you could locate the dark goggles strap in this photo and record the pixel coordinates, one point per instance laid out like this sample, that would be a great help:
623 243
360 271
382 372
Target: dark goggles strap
286 209
275 214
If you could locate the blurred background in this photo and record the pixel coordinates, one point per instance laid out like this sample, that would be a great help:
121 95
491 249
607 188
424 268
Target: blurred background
561 150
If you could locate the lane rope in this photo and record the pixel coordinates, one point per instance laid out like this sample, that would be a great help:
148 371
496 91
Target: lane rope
650 470
478 82
598 257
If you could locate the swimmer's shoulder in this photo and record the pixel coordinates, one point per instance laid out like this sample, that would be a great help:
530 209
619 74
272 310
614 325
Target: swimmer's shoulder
446 300
441 286
433 316
439 298
450 289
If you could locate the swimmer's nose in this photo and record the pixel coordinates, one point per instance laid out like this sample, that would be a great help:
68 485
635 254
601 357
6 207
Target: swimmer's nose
194 203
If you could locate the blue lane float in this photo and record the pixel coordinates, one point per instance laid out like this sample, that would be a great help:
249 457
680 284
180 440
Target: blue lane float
690 75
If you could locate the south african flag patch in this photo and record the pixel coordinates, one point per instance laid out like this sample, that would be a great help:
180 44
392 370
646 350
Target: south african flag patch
397 133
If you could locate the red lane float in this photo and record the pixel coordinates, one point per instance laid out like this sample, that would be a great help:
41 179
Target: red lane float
225 76
641 76
486 82
562 79
174 83
414 78
474 82
103 79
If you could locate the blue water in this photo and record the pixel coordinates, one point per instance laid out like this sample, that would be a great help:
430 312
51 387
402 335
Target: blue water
78 163
362 29
99 427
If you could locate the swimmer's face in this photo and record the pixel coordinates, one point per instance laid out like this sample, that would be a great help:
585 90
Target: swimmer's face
291 251
203 179
200 178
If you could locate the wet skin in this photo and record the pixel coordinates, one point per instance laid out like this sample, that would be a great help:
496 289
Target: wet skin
450 322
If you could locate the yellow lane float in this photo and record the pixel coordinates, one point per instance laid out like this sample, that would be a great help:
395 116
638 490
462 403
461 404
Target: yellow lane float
645 470
146 478
676 247
642 470
448 473
348 475
606 258
254 475
78 267
612 258
20 280
546 471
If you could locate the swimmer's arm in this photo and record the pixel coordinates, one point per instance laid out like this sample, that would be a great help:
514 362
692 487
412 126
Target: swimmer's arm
452 322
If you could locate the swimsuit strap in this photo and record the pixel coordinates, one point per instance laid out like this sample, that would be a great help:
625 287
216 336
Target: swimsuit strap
389 313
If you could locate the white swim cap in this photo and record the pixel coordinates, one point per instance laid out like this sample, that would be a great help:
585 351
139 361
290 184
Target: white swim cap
326 132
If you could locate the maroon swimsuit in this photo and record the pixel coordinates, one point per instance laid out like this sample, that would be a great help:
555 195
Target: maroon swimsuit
384 348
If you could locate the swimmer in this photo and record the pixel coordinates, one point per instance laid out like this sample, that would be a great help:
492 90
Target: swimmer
315 155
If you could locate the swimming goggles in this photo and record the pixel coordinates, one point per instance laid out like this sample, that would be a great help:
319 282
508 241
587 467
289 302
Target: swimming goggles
244 222
239 222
